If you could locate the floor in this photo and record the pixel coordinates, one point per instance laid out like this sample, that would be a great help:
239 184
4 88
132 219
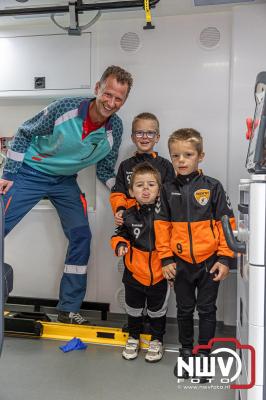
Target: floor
32 369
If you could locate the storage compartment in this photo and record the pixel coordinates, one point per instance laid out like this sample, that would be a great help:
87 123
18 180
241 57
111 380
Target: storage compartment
45 63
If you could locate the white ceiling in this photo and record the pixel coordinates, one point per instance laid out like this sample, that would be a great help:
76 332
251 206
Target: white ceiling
163 8
175 7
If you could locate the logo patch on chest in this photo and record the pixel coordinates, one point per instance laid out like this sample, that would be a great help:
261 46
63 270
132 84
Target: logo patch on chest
202 196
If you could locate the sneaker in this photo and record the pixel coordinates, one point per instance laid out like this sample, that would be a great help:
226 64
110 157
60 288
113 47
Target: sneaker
155 351
131 349
185 354
72 318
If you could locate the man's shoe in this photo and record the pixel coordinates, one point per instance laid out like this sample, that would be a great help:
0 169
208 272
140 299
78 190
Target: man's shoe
202 356
185 354
131 349
155 351
72 318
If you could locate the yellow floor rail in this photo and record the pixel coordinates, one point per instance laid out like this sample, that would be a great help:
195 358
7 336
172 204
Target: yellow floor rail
89 334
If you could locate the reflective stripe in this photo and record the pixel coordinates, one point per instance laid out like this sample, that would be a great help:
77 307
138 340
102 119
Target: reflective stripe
8 203
110 183
75 269
84 203
163 310
110 138
134 312
14 155
65 117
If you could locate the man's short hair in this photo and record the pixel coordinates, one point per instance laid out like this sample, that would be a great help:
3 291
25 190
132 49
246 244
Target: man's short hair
120 74
144 168
145 115
187 134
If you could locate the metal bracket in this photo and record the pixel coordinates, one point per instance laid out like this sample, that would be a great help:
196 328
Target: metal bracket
74 28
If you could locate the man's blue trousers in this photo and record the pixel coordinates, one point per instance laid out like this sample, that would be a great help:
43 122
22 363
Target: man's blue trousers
30 186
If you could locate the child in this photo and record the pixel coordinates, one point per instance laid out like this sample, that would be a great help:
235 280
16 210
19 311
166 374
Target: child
145 135
143 278
190 239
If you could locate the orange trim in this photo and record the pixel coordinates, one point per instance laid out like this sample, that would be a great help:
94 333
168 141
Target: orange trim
36 158
8 203
173 237
154 154
137 261
84 203
115 240
120 200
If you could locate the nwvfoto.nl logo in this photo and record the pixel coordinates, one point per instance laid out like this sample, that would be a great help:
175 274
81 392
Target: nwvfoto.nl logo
215 365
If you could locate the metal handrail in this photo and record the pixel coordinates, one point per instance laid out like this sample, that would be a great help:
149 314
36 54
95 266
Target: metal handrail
232 242
114 5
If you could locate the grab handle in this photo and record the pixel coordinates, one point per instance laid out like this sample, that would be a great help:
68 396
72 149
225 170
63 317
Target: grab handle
232 242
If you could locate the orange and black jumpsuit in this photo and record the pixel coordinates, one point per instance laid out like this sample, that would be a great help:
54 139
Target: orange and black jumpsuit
120 198
143 278
189 232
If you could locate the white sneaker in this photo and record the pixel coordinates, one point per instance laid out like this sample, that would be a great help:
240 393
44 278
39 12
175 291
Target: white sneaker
131 349
72 318
155 351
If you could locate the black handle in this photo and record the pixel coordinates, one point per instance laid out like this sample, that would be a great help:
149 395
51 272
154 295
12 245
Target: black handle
233 244
243 208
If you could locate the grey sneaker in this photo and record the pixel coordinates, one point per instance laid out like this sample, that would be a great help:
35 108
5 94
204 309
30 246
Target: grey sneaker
131 349
155 351
72 318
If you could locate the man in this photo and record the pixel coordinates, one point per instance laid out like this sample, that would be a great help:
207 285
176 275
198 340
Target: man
45 156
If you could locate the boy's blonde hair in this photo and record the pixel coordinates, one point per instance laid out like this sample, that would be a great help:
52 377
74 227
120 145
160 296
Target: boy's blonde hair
145 115
144 168
187 134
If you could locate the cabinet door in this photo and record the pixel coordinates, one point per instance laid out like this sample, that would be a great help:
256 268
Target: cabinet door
63 60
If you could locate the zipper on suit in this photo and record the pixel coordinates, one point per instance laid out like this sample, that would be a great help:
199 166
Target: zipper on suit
131 255
212 228
150 251
189 227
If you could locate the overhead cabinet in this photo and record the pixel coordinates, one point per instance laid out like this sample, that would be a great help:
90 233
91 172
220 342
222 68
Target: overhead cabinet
40 63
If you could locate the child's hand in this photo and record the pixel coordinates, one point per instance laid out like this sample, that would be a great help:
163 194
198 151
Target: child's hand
171 283
169 271
220 271
119 217
122 251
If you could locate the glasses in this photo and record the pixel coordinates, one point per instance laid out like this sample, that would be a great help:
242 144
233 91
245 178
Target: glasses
149 134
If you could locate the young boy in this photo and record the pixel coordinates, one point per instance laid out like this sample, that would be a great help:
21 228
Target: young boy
143 278
190 239
145 135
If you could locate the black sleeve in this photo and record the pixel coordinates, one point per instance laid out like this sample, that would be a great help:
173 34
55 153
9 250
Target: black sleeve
169 172
221 204
120 185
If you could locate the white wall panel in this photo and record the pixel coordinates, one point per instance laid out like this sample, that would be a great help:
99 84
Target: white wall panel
184 85
248 59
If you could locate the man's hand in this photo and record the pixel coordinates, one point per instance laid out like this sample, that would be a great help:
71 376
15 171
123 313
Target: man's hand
119 217
122 250
220 271
169 271
5 185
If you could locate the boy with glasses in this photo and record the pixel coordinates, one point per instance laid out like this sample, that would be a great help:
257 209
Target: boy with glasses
145 135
